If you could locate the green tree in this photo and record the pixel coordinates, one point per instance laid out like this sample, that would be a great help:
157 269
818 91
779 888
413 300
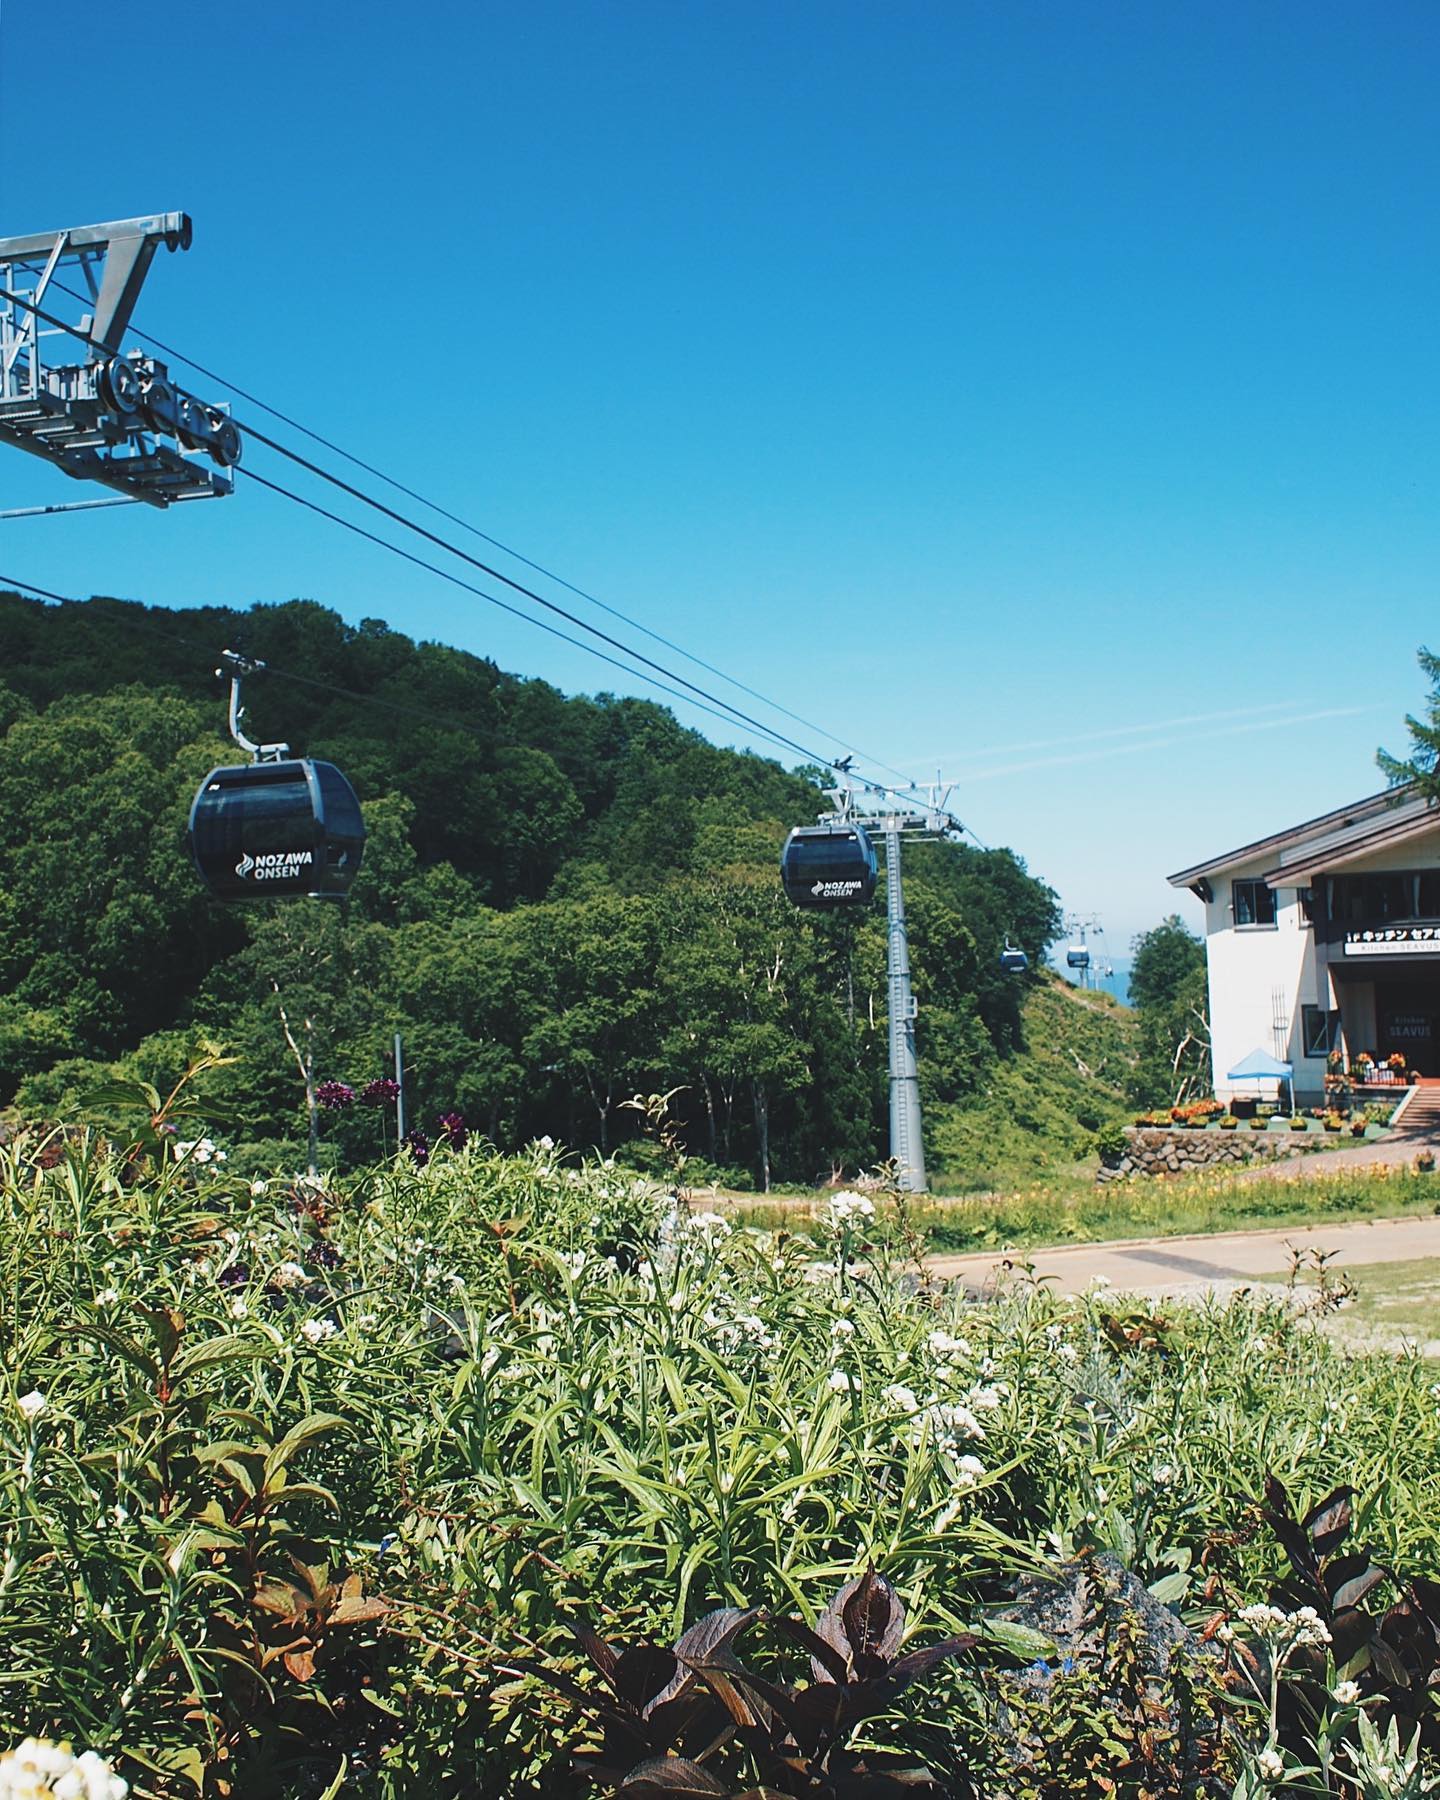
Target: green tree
1422 765
1169 988
1164 957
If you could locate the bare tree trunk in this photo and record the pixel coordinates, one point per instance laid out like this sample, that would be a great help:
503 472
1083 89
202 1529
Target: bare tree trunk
709 1114
305 1062
762 1132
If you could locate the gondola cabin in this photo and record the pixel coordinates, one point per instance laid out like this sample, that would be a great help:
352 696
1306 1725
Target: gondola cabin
1013 961
828 866
274 830
1077 957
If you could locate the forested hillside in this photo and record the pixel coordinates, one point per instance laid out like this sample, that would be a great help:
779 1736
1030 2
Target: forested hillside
563 901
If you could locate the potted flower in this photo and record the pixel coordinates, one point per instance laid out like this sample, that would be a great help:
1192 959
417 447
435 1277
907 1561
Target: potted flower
1229 1122
1298 1123
1258 1124
1332 1121
1359 1124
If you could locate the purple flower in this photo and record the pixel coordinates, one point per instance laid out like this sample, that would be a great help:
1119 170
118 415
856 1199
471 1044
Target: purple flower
380 1092
452 1127
234 1275
419 1147
334 1095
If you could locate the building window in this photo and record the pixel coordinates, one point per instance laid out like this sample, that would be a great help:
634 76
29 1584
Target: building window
1252 902
1320 1030
1306 897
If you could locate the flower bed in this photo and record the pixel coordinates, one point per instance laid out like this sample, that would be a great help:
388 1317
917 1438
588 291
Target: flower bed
303 1485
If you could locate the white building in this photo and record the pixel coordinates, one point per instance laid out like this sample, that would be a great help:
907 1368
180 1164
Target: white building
1326 936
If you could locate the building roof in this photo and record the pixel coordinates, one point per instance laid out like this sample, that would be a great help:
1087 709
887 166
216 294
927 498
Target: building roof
1334 838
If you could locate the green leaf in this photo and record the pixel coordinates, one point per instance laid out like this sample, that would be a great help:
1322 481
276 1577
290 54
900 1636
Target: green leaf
231 1348
1018 1641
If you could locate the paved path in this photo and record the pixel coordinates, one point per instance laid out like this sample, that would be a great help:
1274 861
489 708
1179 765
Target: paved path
1218 1262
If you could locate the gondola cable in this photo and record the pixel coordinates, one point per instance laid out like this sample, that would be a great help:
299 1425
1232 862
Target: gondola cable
519 556
731 713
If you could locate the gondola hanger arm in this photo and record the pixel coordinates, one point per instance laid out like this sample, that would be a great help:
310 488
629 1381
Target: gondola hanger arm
235 665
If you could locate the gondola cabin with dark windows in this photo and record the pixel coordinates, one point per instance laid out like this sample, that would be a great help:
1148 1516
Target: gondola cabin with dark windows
828 866
1012 960
277 829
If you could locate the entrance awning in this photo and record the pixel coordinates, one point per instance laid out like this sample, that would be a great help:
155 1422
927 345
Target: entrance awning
1260 1066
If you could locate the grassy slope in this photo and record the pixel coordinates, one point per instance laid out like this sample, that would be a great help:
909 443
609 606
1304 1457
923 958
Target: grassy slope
1036 1113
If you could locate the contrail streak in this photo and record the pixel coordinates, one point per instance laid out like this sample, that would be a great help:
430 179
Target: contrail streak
967 779
1087 737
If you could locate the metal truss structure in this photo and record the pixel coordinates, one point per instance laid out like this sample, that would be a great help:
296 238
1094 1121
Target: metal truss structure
892 824
107 417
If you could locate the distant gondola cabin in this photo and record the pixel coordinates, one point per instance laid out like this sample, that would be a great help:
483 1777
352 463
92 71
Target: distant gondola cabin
828 866
276 830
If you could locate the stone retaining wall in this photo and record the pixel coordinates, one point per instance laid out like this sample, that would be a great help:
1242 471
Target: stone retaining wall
1152 1150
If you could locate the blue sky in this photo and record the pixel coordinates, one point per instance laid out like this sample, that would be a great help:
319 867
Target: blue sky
1044 392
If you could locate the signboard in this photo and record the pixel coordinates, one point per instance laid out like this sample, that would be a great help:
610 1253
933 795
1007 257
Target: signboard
1394 940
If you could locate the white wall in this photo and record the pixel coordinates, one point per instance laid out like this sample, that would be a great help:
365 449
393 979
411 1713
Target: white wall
1246 964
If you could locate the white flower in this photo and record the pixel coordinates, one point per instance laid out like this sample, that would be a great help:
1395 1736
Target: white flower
32 1403
949 1425
842 1328
545 1143
1347 1692
238 1309
289 1274
1099 1281
968 1469
37 1769
1163 1474
940 1343
985 1399
108 1297
198 1150
841 1381
710 1226
1271 1764
847 1208
1068 1353
901 1398
317 1330
259 1187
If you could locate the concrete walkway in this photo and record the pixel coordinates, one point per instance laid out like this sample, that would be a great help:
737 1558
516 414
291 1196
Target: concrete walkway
1218 1262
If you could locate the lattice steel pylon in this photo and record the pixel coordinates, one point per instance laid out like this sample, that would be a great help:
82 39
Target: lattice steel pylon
93 411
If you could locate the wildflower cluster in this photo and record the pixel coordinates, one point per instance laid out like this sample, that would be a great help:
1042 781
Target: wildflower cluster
40 1770
846 1211
198 1150
1284 1631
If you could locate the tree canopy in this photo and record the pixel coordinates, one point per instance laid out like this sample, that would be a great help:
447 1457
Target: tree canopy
563 901
1422 765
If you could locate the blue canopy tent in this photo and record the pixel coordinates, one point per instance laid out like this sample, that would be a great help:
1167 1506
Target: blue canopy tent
1259 1065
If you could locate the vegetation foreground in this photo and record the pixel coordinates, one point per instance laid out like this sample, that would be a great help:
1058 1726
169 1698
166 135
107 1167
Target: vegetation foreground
408 1485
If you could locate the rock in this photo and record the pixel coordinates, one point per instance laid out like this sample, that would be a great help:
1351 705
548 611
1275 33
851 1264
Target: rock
1144 1659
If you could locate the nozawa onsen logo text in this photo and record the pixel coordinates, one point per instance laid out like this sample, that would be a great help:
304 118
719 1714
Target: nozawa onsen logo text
835 890
275 866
